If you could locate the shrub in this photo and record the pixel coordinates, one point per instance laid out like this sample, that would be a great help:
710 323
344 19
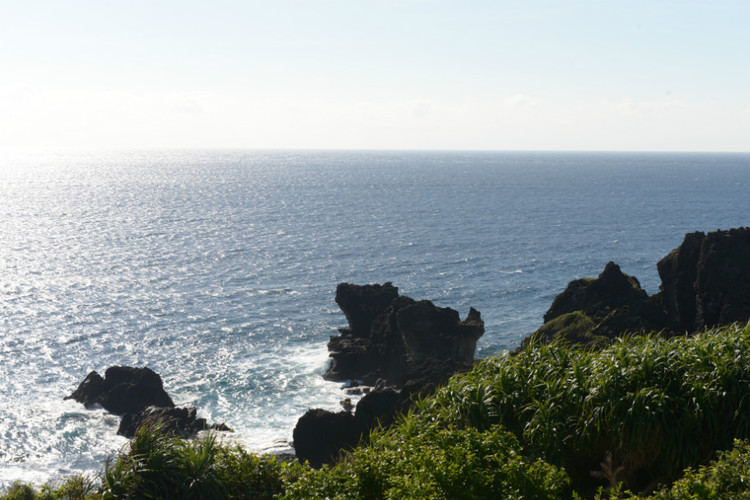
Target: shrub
434 463
20 491
655 406
77 487
158 465
728 477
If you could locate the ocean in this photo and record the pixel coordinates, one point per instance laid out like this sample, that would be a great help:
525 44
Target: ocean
218 269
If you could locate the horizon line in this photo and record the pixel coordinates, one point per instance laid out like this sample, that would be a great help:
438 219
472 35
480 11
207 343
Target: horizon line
95 149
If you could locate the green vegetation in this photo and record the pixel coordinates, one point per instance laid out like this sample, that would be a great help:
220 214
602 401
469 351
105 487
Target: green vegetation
727 477
429 462
668 418
571 328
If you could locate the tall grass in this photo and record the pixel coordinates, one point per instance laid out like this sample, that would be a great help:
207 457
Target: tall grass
159 465
655 405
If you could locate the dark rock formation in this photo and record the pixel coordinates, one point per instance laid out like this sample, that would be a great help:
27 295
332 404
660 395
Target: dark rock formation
678 272
139 396
403 347
596 297
361 304
377 408
173 420
705 283
706 280
391 336
592 311
123 389
320 436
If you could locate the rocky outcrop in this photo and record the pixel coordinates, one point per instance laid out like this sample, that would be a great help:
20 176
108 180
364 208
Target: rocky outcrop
320 436
138 395
593 311
404 347
678 272
123 389
706 280
173 420
361 304
705 283
390 336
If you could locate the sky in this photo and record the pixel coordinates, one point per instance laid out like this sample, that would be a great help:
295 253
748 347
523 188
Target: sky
635 75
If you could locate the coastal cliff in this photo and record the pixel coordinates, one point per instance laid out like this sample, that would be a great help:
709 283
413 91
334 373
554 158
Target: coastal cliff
705 282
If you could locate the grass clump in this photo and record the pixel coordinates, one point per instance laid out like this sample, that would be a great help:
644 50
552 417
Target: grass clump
164 466
78 487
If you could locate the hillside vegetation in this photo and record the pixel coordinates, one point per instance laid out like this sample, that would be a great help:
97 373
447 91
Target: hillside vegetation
660 418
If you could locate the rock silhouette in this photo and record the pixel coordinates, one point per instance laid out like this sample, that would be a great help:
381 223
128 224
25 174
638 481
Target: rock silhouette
138 395
705 283
390 337
123 389
404 347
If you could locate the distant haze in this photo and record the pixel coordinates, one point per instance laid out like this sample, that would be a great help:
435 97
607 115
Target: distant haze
648 75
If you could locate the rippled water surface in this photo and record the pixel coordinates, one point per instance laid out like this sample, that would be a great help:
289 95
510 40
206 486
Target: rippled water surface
218 269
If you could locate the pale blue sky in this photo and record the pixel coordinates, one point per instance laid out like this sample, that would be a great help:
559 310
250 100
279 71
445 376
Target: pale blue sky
409 74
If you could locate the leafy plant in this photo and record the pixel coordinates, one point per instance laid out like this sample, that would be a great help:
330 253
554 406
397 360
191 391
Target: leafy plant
654 405
435 463
160 465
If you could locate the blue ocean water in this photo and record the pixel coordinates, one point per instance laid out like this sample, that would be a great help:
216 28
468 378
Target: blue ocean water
218 269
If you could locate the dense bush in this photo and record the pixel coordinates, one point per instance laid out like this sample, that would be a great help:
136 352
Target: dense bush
434 463
645 407
159 465
75 488
162 466
727 478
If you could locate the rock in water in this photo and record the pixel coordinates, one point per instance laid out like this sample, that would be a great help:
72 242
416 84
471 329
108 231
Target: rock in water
180 421
139 396
392 341
123 389
391 336
361 304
